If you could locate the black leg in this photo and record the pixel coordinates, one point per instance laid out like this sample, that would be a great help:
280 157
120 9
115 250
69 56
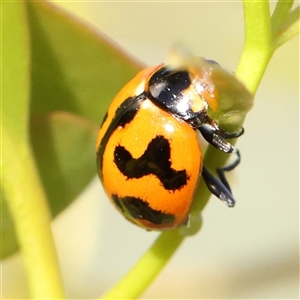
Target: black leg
230 167
220 186
216 137
233 135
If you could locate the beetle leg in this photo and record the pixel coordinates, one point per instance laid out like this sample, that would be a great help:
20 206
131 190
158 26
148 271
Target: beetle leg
233 135
220 186
221 171
216 137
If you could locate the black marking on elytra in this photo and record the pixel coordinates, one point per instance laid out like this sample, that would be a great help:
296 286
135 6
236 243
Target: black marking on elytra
104 119
124 115
155 160
127 117
117 202
139 209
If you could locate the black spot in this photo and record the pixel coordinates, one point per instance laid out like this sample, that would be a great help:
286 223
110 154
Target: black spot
124 115
155 160
117 202
139 209
127 116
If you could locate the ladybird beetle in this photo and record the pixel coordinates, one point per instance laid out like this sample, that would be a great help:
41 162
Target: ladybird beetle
148 153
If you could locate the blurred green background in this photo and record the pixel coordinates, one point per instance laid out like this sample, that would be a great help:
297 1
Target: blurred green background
249 252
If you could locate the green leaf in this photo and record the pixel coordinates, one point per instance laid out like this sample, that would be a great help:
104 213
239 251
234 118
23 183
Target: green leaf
74 69
15 71
64 146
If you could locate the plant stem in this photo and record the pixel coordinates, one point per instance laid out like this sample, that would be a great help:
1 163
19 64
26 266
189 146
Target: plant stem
28 207
257 48
20 184
148 267
280 13
287 29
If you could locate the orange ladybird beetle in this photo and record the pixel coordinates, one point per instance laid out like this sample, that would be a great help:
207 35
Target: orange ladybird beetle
148 153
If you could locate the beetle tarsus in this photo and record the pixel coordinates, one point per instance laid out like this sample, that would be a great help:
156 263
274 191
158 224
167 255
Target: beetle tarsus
218 188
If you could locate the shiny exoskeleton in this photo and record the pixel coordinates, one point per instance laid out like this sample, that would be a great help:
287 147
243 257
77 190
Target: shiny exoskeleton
148 153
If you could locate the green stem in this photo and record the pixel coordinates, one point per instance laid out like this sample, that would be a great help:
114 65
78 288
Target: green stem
288 29
280 13
148 267
20 184
257 48
28 207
